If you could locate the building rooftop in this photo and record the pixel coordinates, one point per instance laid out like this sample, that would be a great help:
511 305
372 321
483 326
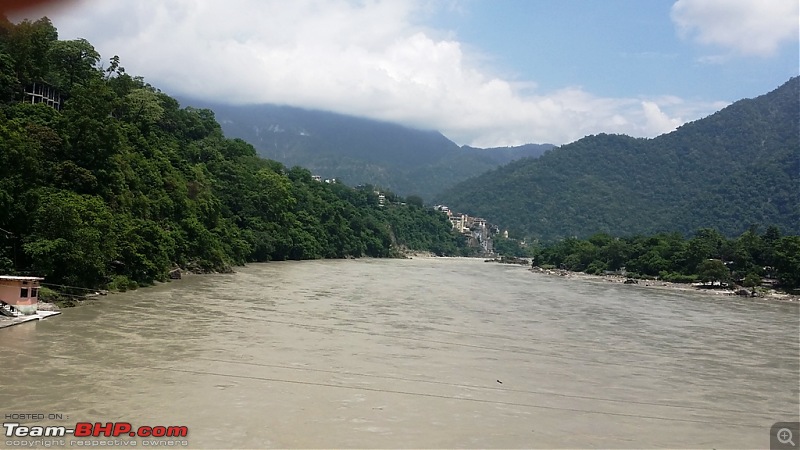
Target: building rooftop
19 278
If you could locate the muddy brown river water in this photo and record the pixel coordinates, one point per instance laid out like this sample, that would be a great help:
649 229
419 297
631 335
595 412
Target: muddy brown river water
421 353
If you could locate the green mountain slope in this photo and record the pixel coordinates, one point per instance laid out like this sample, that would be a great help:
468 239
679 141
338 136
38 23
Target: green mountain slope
737 167
357 150
106 182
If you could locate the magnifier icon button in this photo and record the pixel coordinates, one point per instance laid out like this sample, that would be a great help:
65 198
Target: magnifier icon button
784 436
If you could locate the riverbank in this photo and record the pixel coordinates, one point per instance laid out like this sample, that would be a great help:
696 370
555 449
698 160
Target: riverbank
763 293
44 310
408 254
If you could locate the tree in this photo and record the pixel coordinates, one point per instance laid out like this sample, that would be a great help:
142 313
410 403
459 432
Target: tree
787 261
747 249
615 254
72 62
752 280
711 270
114 68
9 85
706 244
415 200
143 107
71 238
28 44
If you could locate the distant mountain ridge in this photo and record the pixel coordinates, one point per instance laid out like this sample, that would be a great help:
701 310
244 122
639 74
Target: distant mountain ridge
357 150
737 167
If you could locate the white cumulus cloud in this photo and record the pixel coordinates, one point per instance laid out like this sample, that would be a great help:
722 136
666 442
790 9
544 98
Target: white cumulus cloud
746 27
370 58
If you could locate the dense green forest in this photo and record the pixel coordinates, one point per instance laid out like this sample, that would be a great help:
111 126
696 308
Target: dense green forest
708 256
733 169
117 184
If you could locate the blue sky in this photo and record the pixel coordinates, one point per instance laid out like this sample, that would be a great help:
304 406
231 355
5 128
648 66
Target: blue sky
483 72
613 48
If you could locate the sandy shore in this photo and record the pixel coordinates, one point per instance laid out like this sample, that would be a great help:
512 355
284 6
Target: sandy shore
763 294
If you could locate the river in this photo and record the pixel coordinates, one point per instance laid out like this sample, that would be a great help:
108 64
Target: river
420 353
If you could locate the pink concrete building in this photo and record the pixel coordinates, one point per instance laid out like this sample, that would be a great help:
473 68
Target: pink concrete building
20 292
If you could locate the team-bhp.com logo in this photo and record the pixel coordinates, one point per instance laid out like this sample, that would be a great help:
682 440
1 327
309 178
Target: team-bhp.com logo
97 429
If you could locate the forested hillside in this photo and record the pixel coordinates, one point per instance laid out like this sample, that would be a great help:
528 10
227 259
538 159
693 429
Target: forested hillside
357 150
112 183
731 170
707 256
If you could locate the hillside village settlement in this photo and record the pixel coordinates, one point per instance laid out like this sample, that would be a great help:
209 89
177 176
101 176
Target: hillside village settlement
478 230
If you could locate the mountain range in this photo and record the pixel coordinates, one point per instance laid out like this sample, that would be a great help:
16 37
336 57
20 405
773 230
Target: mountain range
356 151
736 168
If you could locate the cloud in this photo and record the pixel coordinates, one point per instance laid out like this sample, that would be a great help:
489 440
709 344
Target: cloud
746 27
372 58
657 120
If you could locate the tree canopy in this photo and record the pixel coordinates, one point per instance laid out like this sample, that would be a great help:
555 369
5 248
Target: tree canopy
707 257
121 184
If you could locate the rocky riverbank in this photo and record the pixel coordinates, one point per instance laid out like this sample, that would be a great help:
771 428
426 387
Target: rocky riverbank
761 293
403 252
510 260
